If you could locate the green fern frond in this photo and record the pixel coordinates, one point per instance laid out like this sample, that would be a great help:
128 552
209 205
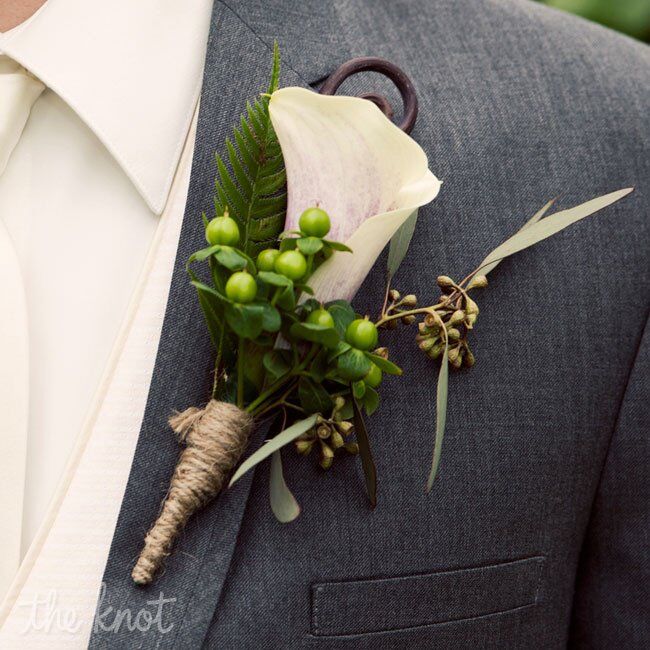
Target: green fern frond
251 179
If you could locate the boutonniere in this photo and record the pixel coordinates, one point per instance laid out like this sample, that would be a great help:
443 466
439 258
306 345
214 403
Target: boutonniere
310 189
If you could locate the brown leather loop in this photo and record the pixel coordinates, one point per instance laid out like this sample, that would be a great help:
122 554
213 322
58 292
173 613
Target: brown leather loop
390 70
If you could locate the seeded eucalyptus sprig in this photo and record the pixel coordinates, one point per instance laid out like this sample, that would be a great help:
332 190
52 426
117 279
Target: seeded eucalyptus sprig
444 327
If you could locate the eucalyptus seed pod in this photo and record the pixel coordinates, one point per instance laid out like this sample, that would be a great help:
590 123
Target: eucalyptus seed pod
453 334
436 350
410 300
339 403
445 282
469 359
391 324
323 431
381 352
457 317
352 447
478 282
426 344
304 446
470 306
432 323
455 357
409 320
470 320
336 440
422 328
326 456
394 295
345 427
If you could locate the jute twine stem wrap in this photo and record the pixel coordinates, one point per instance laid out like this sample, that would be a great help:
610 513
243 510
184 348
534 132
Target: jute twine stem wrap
214 438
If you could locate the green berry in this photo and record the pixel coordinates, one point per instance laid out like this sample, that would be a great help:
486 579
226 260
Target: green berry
362 334
314 222
321 317
291 264
266 259
223 231
374 377
241 287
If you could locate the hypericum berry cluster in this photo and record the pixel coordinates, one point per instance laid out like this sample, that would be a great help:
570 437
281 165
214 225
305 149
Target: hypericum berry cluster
241 286
279 348
456 314
328 436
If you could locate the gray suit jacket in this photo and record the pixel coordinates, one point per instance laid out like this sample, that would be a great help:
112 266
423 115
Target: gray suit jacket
536 532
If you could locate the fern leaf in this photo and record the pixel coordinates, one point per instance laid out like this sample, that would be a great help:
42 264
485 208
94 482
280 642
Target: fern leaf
275 70
238 168
251 179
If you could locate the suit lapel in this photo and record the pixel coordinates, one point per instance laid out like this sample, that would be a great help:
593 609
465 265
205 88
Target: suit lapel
237 67
14 370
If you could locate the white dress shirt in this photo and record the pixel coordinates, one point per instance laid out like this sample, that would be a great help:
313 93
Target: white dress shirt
92 197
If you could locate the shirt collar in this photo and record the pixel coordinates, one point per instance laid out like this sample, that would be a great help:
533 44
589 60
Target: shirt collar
131 70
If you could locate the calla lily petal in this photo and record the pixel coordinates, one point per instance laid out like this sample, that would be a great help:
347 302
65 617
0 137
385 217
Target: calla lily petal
344 155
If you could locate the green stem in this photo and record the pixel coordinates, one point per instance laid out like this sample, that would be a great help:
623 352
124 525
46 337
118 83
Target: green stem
217 364
279 402
240 373
401 314
254 406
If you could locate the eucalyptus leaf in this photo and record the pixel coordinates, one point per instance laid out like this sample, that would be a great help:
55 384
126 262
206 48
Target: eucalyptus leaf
533 220
545 228
367 462
441 415
283 503
326 336
385 365
277 442
399 244
313 397
309 245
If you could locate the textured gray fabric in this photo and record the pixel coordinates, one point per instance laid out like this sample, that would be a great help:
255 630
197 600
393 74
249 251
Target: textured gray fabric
535 534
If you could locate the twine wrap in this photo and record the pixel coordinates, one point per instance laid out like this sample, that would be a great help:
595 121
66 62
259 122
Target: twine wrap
214 438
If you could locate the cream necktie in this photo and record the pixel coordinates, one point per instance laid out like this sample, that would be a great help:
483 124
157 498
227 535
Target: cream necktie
18 92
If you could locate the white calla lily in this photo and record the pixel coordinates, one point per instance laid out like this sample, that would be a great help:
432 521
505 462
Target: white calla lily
344 155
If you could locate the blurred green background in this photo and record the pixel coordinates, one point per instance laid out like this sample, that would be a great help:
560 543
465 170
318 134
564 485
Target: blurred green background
631 17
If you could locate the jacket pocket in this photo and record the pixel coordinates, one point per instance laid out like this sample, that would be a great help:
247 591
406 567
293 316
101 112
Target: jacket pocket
352 607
